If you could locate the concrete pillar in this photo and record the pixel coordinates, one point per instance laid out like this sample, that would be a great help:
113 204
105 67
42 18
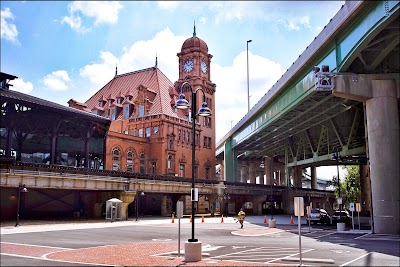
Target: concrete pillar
297 175
127 198
365 188
243 174
267 172
164 211
314 177
252 172
384 154
257 205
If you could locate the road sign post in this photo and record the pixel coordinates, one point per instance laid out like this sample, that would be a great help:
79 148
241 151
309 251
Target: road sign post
299 211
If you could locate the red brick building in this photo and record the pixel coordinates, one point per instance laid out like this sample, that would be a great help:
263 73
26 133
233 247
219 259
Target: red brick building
147 133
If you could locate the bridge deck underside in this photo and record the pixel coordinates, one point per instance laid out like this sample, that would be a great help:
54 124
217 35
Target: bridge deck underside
312 129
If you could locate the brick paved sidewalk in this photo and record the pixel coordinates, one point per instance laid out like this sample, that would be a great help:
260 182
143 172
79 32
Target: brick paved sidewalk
142 254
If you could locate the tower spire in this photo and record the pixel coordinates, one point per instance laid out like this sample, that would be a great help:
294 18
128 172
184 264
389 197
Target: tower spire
156 60
194 29
116 70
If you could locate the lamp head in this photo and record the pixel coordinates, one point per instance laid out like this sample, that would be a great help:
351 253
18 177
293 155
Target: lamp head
24 190
204 111
249 41
142 193
182 103
325 68
316 69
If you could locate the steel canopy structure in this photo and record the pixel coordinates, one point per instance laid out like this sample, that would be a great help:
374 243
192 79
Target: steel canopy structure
32 126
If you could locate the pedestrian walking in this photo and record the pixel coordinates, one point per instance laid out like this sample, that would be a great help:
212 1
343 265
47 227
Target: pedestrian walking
241 216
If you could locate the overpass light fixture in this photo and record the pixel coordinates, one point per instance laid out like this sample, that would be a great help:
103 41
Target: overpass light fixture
324 78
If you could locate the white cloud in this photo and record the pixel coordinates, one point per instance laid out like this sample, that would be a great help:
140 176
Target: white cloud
296 23
103 12
139 55
168 5
20 86
8 30
57 80
231 93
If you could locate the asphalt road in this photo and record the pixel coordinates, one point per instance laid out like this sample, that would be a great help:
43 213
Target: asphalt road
256 243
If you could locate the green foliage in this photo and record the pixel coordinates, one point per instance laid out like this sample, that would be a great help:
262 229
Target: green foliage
350 188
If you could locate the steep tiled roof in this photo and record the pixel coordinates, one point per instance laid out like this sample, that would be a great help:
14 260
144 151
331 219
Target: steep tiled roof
127 84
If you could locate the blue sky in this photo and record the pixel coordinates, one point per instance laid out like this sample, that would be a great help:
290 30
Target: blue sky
61 50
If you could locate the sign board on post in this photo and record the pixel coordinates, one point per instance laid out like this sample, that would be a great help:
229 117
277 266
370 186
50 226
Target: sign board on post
298 206
194 194
339 200
351 207
299 211
179 209
358 207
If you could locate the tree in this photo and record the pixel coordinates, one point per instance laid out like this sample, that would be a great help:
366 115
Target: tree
350 187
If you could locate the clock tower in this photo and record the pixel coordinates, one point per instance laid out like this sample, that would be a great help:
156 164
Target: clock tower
194 68
194 65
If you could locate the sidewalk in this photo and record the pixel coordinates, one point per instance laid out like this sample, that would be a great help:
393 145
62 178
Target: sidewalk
161 253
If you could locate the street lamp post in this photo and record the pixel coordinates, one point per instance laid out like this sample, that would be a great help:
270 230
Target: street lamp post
338 183
248 88
204 111
138 193
262 165
21 189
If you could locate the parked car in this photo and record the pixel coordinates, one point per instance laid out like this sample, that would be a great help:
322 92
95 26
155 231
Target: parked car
319 216
344 216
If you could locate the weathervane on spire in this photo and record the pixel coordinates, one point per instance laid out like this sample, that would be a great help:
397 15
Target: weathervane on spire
116 70
156 60
194 29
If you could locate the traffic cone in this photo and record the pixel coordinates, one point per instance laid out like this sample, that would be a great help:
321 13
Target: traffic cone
202 218
173 220
265 219
291 220
222 218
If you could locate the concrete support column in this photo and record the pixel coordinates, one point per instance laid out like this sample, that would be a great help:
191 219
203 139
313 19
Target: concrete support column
127 198
297 173
314 177
257 205
365 188
252 172
243 174
384 153
267 172
164 211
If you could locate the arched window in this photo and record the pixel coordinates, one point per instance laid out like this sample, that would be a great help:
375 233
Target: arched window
116 159
129 161
169 162
142 162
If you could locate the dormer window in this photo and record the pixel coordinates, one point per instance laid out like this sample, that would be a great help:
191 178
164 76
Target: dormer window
101 103
119 100
141 111
127 112
113 114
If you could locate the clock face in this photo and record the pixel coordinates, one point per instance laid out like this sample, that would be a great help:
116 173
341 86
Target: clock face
203 67
188 65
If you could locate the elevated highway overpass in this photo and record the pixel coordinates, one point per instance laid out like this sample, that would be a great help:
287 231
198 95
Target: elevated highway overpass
350 103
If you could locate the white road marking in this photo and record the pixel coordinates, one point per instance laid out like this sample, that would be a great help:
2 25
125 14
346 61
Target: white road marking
302 252
356 259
